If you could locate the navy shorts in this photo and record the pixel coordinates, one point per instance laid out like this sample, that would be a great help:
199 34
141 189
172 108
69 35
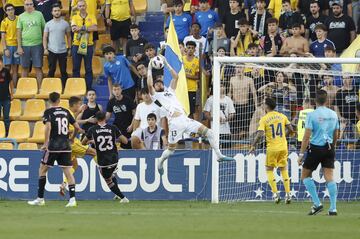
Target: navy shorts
62 158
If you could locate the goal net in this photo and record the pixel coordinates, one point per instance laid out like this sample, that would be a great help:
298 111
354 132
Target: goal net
240 86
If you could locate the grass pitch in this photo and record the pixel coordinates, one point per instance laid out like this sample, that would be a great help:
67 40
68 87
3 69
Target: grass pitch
175 219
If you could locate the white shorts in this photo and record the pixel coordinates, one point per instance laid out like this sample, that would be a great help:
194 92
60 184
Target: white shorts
137 133
180 125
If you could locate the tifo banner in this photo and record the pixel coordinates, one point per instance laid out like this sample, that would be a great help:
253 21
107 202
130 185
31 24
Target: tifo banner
188 176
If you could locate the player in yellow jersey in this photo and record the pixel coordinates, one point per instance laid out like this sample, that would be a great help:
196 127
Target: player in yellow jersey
77 149
274 125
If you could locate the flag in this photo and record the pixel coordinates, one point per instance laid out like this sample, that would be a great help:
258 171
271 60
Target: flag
174 57
351 52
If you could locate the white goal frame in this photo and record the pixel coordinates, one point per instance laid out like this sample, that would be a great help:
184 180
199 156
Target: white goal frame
216 94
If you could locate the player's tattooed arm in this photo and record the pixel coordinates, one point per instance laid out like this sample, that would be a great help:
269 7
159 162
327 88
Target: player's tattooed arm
259 135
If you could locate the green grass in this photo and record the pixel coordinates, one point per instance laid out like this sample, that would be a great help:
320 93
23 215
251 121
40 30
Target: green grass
185 220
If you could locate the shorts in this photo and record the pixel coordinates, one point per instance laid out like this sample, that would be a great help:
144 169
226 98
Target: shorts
276 158
95 36
180 125
120 29
78 149
32 54
107 172
12 60
319 155
243 115
62 158
192 101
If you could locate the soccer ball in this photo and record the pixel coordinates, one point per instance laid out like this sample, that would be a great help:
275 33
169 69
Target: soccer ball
157 63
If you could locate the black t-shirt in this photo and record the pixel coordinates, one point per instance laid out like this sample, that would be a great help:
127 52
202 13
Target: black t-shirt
268 44
339 31
122 110
105 143
231 22
259 22
304 6
286 20
59 119
141 83
311 23
89 112
45 8
346 101
223 7
134 47
5 79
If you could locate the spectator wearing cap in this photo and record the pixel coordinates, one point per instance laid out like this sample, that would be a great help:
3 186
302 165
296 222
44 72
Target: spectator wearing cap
272 42
347 6
135 45
197 38
231 19
317 48
258 19
182 21
304 7
117 71
206 17
220 39
314 18
288 18
341 28
242 40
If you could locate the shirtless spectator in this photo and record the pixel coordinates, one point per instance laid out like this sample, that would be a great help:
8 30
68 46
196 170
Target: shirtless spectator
330 89
296 45
241 87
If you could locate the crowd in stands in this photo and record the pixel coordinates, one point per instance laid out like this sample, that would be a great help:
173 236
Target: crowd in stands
34 30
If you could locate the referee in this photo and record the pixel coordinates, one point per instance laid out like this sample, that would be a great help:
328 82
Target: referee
322 125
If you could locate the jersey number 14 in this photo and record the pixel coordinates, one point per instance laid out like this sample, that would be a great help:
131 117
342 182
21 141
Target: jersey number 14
278 131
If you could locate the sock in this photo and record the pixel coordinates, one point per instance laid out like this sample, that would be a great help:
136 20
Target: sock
310 186
272 180
286 180
41 187
331 186
210 136
72 190
165 155
115 188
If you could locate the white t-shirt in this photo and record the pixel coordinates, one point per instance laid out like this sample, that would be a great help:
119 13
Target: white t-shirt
169 102
202 40
143 110
226 108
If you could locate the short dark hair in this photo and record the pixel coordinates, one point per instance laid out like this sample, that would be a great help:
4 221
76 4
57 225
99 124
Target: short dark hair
321 97
196 23
271 103
221 48
151 116
108 49
320 26
178 2
296 25
100 116
116 85
149 46
56 5
286 1
140 63
158 80
191 43
74 100
144 91
9 5
91 89
134 26
330 48
54 97
243 21
315 1
252 45
272 20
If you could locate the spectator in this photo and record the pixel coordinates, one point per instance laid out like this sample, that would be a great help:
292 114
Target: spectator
295 45
227 112
167 6
231 19
331 89
341 28
6 94
150 51
192 70
123 108
54 43
195 5
182 21
141 68
313 20
9 41
29 37
117 70
272 42
206 17
197 38
182 48
347 4
288 18
304 7
83 25
163 43
45 7
18 4
135 46
152 137
258 19
317 48
275 7
119 15
140 120
242 40
86 117
222 8
330 51
253 50
220 39
250 7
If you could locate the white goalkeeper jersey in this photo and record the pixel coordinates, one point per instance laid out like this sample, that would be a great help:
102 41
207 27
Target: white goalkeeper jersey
168 101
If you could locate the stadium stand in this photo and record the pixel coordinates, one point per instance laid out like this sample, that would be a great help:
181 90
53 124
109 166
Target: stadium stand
49 85
19 130
15 109
34 110
74 87
26 88
27 146
2 129
6 146
38 135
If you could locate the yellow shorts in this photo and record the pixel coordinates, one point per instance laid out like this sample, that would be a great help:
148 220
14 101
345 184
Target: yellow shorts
276 158
77 149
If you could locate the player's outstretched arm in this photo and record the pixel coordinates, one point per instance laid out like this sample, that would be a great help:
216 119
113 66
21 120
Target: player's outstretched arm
149 79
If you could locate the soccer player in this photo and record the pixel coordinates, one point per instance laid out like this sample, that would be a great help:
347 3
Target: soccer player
105 137
179 123
273 125
77 149
57 147
322 125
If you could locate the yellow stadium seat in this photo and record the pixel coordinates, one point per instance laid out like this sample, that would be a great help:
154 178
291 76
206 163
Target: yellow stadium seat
34 110
97 66
74 87
64 103
20 131
69 66
101 24
26 88
38 133
65 6
2 129
15 109
6 146
104 39
28 146
140 6
49 85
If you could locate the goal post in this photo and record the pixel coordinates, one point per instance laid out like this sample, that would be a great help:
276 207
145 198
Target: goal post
243 179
